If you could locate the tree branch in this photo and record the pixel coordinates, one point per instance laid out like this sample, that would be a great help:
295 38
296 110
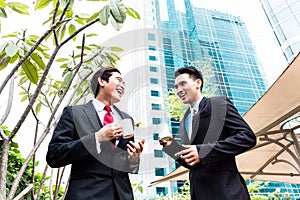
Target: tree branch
9 101
33 48
22 194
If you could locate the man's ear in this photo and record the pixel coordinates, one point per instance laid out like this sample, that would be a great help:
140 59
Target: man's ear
199 83
101 81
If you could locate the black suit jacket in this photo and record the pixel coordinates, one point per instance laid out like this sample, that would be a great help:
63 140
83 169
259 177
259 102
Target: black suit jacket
93 176
219 133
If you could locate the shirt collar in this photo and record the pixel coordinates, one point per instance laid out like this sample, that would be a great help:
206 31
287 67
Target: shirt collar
99 106
196 105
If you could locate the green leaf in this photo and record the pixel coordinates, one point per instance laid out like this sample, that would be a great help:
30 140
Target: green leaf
38 108
23 80
61 60
19 7
69 13
40 4
91 35
117 49
64 3
2 4
94 16
30 71
80 21
14 144
67 79
4 62
71 29
11 49
133 13
10 35
140 189
62 33
104 15
117 26
65 65
118 10
3 13
24 98
14 58
2 47
38 60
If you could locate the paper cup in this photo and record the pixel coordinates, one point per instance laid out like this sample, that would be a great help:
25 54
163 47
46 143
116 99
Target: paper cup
164 133
127 127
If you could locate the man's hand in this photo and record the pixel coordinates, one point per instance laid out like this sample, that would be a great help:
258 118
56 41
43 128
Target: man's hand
166 141
189 155
109 132
134 150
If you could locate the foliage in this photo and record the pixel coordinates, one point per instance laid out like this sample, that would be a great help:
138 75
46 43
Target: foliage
15 161
254 189
182 194
137 187
48 76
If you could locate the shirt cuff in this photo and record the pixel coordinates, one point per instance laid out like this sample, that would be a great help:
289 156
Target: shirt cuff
97 144
134 168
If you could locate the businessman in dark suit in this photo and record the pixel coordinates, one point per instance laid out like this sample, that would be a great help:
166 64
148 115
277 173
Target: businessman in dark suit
212 133
90 138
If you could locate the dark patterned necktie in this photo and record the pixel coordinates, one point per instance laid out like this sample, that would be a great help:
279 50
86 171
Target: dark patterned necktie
108 118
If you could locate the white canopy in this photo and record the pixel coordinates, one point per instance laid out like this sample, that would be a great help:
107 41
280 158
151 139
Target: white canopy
273 118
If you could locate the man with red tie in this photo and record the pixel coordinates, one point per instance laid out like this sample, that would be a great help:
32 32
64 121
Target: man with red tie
90 138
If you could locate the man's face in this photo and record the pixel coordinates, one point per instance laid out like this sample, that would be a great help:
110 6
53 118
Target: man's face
114 88
187 89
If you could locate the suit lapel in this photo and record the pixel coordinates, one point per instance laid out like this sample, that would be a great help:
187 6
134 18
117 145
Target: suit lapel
197 118
92 115
184 135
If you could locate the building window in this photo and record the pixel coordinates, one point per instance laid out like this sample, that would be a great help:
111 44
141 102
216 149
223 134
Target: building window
155 106
161 190
153 69
156 120
153 80
159 154
151 37
155 93
152 58
155 136
160 171
152 48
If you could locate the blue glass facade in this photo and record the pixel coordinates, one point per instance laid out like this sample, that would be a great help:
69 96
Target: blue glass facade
284 18
282 189
188 38
201 34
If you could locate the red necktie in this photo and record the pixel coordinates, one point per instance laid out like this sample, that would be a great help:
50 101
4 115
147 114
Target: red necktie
108 118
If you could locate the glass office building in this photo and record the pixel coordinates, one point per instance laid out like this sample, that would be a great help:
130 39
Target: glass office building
220 39
284 18
218 43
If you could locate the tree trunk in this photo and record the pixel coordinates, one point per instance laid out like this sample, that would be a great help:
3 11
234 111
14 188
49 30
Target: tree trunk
3 169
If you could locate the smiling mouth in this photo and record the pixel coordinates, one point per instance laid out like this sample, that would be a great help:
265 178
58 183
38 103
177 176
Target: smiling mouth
181 96
120 91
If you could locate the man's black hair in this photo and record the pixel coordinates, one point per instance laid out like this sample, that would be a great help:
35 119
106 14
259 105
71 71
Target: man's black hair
192 71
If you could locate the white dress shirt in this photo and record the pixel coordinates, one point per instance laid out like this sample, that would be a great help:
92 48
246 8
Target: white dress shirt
188 120
99 107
